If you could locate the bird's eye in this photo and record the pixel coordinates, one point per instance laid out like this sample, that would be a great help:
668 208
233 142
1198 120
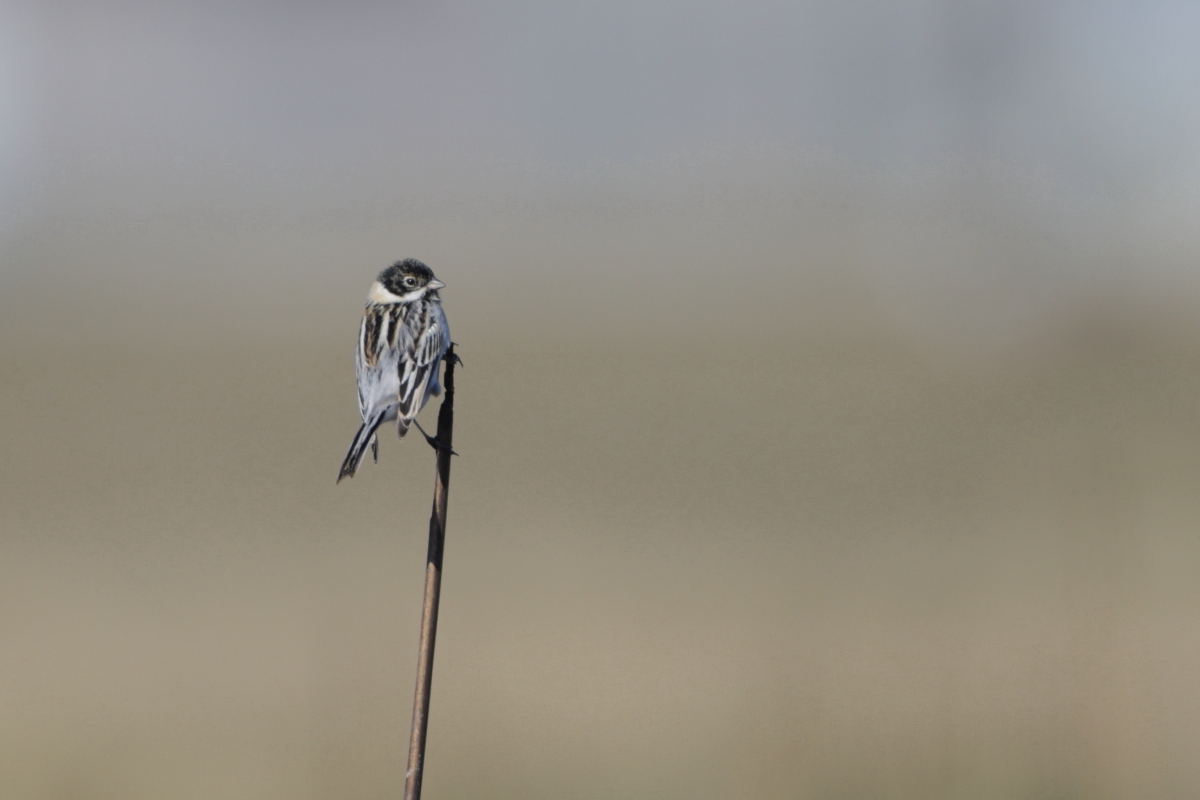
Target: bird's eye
410 282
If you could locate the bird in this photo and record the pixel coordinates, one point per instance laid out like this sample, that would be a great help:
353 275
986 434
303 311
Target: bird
401 341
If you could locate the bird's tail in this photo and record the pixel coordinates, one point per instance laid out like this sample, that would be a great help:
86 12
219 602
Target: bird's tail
358 448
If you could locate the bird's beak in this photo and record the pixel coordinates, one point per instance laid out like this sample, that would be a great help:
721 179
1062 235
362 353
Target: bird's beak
434 285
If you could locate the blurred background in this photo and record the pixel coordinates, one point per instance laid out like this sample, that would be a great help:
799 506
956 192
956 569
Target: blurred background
828 423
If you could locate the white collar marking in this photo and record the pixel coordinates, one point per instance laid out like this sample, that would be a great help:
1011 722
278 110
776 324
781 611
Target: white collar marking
378 294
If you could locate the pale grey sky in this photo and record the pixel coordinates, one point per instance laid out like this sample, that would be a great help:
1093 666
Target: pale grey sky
947 140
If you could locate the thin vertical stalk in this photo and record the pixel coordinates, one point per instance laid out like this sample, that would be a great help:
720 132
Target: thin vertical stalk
433 584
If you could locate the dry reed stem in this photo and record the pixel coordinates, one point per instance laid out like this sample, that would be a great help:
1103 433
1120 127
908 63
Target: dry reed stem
433 582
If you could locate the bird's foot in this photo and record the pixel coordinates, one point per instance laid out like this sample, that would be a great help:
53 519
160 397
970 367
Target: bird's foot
433 441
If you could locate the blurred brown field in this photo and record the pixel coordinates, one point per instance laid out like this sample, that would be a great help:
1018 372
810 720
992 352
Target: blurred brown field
828 566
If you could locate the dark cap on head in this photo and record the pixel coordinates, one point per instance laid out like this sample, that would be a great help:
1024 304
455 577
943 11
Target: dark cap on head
405 276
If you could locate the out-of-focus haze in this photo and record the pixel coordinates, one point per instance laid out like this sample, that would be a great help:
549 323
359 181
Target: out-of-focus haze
830 423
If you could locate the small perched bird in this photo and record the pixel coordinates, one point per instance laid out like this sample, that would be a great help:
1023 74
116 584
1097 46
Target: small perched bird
401 342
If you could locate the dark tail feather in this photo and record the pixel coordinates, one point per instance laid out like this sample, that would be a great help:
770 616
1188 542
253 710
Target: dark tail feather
358 448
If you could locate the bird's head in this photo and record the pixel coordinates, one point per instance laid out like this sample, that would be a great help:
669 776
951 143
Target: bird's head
405 281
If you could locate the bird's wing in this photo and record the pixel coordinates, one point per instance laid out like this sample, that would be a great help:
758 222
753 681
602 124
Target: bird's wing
418 367
382 338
